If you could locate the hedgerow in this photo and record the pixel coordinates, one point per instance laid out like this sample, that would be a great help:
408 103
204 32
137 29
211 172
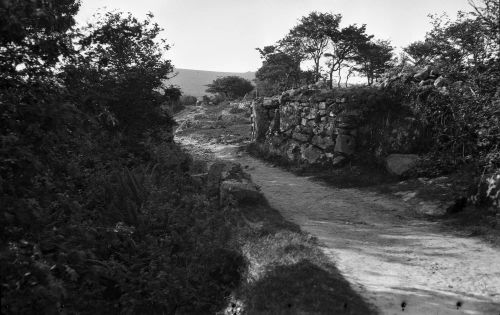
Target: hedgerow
97 211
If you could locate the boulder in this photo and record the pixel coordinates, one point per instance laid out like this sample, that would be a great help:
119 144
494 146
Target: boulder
397 164
221 171
239 190
300 137
323 142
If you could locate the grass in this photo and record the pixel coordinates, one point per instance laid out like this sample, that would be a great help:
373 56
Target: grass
287 271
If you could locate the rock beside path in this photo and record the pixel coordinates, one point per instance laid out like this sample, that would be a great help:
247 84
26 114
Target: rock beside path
398 164
230 183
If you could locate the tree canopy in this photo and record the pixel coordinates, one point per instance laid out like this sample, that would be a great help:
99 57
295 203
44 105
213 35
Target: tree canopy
373 58
279 71
312 34
319 38
230 86
344 46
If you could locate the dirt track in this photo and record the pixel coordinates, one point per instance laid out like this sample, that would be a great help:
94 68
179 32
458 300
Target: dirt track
399 263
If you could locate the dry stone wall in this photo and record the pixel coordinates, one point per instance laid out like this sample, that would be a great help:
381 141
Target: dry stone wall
320 126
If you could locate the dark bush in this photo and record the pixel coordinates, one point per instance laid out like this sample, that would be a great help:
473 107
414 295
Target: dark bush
98 213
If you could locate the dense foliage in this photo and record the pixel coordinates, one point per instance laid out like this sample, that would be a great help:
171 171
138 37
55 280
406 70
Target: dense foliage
230 87
97 212
279 71
450 81
318 38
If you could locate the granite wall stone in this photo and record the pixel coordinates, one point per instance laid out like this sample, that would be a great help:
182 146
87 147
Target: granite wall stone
321 126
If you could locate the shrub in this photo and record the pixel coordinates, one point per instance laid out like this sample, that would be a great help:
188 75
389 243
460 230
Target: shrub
97 211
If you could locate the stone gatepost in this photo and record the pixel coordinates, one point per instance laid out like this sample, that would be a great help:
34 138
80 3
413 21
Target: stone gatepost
263 110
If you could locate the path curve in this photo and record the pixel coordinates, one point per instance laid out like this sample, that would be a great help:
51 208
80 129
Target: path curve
400 264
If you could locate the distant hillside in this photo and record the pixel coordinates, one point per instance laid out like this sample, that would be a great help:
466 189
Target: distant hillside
193 82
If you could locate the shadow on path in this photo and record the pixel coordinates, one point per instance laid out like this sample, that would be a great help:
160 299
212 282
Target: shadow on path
304 288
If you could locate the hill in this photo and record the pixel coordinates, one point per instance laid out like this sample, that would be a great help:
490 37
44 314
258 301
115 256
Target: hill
193 82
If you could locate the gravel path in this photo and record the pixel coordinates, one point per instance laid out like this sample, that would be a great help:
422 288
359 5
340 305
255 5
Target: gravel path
397 262
390 258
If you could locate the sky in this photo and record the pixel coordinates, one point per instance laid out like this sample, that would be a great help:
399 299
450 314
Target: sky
221 35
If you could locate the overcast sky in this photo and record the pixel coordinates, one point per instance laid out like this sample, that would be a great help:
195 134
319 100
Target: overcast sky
221 35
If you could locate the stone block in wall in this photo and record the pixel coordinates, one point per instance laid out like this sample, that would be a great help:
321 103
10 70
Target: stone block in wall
301 137
311 154
289 117
322 95
336 108
283 98
311 123
293 151
319 129
323 142
271 102
345 144
305 129
287 133
313 113
330 129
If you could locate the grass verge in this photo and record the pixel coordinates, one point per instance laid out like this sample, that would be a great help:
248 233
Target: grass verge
287 271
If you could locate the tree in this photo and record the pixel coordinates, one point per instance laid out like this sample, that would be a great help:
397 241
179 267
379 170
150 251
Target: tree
230 86
420 51
82 213
310 36
489 14
119 73
34 35
344 46
372 59
466 48
279 71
